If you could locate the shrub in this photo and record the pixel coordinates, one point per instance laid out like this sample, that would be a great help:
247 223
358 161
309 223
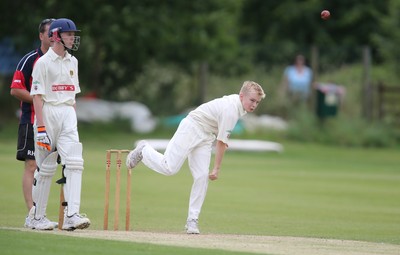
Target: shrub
341 130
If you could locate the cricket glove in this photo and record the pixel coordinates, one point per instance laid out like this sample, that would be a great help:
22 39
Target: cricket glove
42 139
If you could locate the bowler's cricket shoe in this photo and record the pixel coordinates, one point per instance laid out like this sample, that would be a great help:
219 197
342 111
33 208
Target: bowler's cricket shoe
76 221
192 226
135 156
41 224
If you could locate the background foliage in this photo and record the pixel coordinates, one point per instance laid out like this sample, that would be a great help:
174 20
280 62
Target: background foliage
120 38
153 51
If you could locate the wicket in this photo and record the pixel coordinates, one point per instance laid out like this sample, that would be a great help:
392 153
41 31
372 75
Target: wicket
117 189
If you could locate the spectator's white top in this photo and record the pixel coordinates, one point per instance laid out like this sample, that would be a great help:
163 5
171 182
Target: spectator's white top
219 116
56 78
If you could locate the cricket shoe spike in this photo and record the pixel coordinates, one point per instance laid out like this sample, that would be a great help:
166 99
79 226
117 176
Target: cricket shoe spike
135 156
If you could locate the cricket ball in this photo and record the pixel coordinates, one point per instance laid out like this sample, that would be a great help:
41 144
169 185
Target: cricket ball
325 14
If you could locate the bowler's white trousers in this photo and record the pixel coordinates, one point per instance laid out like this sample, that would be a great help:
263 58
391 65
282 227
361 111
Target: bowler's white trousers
192 142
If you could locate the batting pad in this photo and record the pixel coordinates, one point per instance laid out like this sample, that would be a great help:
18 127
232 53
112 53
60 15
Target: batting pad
42 183
73 174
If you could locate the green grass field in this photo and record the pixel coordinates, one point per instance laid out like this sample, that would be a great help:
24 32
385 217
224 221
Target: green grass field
307 191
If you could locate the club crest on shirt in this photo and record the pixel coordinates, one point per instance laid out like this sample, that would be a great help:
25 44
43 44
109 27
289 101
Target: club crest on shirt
35 85
71 73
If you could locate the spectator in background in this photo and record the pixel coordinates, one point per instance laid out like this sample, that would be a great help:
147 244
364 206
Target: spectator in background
20 89
297 81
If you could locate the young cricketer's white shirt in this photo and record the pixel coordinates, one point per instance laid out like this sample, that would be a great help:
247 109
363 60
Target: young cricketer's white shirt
219 116
56 78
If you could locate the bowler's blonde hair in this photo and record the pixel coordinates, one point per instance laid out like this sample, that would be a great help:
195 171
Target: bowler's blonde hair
249 86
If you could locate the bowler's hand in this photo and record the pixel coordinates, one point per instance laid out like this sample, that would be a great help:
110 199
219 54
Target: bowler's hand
42 139
213 175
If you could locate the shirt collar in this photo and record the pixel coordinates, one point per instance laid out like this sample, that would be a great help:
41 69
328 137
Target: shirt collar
240 106
54 55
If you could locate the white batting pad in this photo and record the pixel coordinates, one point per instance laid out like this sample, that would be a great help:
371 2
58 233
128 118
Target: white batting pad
73 173
42 183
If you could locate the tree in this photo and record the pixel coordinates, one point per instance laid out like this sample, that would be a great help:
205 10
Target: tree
119 39
180 32
280 29
387 38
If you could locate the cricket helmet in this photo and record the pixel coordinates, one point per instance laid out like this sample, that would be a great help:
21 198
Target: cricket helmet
63 25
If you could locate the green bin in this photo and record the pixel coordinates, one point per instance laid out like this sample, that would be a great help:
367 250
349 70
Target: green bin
328 100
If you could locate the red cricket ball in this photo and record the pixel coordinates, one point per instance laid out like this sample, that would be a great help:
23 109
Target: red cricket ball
325 14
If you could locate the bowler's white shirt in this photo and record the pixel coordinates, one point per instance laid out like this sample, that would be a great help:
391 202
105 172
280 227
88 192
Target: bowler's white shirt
56 78
219 116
